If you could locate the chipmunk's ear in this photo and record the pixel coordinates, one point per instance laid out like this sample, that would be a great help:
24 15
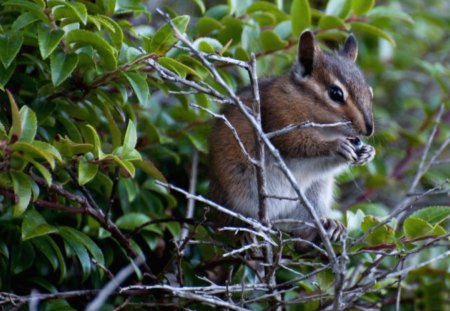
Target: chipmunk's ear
307 52
350 49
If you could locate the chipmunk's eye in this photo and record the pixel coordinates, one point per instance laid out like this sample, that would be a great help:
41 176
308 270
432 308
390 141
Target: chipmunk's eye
336 94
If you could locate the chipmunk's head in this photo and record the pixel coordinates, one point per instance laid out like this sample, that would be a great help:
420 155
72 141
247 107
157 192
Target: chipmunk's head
336 88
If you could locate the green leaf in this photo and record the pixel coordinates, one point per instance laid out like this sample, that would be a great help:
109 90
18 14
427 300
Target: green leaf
126 165
198 141
433 214
10 44
390 13
86 171
174 228
150 169
262 6
382 235
218 11
22 257
131 156
94 139
57 304
331 22
176 66
201 5
86 241
271 41
105 50
131 221
207 24
138 82
34 225
232 6
109 6
5 74
23 20
373 31
76 10
264 19
28 124
116 134
51 250
32 150
22 189
43 245
130 139
68 148
3 134
42 169
241 54
61 66
208 45
339 8
46 147
361 7
79 249
16 128
414 227
114 29
48 40
354 221
301 16
164 38
36 9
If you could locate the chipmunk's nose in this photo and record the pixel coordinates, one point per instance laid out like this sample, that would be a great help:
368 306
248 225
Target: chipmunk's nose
368 121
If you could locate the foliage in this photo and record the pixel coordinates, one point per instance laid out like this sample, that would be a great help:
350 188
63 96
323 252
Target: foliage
97 117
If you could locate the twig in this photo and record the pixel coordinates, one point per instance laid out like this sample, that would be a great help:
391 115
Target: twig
236 230
303 125
231 127
399 290
405 271
111 286
255 224
192 187
420 169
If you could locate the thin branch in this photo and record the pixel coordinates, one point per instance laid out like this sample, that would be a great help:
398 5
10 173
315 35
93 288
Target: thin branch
192 190
405 271
231 127
399 290
421 170
111 286
255 224
304 125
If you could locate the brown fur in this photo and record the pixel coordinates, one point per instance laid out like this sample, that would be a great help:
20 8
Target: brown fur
299 96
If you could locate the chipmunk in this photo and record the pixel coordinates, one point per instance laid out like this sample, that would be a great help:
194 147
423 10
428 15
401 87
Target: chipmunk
322 87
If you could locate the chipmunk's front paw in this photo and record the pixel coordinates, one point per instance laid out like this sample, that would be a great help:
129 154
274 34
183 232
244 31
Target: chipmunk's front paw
334 228
365 153
347 150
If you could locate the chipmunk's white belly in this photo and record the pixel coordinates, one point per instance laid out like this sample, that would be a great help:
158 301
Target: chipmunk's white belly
306 173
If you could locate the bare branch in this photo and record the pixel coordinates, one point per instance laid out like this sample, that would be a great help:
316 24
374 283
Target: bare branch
255 224
303 125
422 167
192 187
113 284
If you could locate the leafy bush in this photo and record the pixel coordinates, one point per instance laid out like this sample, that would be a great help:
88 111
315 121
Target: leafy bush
106 105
